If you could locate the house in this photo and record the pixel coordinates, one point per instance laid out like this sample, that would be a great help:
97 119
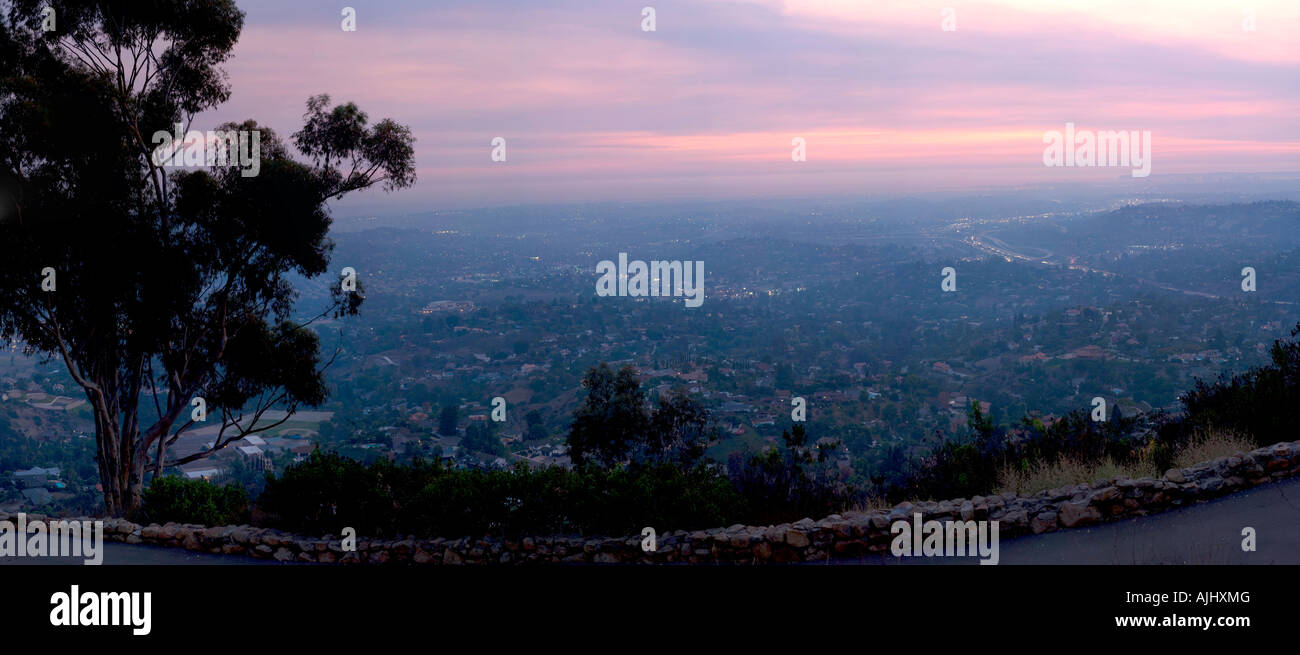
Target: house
38 496
202 470
255 456
36 476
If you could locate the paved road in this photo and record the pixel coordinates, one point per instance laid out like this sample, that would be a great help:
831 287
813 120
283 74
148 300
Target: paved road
1000 248
119 553
1206 533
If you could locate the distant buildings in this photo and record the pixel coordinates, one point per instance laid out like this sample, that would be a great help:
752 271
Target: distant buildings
36 477
34 484
448 307
38 496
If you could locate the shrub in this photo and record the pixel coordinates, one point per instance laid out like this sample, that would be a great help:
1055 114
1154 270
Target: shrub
1254 404
176 499
328 491
790 483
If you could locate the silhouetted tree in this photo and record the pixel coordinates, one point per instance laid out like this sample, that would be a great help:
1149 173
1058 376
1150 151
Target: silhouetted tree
612 418
616 424
152 284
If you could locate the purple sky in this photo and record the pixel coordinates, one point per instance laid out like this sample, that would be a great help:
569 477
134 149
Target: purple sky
706 106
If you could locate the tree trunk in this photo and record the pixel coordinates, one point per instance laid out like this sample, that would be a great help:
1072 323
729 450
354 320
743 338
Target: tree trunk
121 470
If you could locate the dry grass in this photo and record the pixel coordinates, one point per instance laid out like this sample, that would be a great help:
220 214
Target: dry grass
1070 471
1065 472
1213 445
870 504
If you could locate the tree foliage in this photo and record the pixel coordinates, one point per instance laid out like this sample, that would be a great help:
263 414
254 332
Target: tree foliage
615 424
167 284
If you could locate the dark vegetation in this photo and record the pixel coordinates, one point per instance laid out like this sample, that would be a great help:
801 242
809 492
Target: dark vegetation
195 501
154 285
1256 404
639 463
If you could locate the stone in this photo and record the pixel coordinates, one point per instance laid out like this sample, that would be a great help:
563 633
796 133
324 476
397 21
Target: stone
283 554
1017 518
1044 522
1076 514
1175 476
902 511
1105 495
216 532
450 556
1211 484
797 538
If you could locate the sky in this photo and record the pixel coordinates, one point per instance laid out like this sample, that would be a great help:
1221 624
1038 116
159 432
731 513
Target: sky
593 107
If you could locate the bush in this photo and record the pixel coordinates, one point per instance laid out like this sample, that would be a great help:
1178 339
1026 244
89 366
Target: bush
790 483
176 499
328 492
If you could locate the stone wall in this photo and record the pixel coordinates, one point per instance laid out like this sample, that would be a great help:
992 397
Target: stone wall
802 541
